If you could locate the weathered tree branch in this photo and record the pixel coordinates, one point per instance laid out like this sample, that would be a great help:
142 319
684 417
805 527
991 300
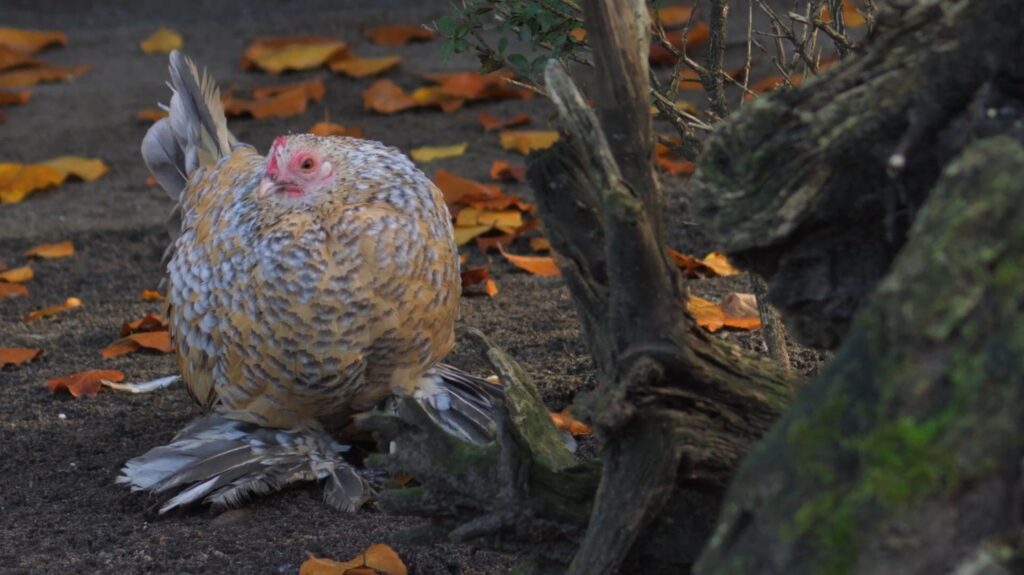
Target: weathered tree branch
905 456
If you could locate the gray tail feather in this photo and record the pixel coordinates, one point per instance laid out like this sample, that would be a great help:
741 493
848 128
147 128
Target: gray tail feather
222 462
463 404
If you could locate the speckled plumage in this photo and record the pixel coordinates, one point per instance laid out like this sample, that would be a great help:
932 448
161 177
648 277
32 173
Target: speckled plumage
286 309
303 287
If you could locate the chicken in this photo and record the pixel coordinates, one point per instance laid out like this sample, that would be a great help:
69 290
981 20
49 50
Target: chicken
305 286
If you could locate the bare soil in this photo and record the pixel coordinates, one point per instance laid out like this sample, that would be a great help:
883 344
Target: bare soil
60 509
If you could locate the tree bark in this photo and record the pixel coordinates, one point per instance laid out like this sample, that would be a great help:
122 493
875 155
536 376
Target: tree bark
815 188
905 456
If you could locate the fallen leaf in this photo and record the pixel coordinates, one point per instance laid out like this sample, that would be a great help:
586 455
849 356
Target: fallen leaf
695 36
151 114
52 251
718 262
153 340
525 141
474 86
433 96
14 98
536 265
431 153
459 190
151 295
151 181
18 275
740 305
11 58
276 55
281 101
566 422
398 34
674 16
329 129
24 77
50 311
356 67
477 276
85 169
17 355
712 317
149 322
503 171
466 234
12 290
491 123
84 383
507 221
377 559
162 41
540 244
769 83
851 16
31 41
386 97
578 34
669 160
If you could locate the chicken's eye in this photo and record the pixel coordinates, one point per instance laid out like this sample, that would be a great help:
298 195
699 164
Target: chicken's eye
307 164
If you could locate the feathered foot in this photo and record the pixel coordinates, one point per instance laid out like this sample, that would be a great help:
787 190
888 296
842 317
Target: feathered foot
221 462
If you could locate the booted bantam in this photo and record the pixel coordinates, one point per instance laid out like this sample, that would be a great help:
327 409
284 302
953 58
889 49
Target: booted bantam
304 286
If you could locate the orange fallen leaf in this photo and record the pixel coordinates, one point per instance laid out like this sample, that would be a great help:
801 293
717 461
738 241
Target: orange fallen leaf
149 322
398 34
674 16
379 559
153 340
17 275
712 317
280 54
85 383
17 355
566 422
24 77
14 98
162 41
433 96
11 58
670 161
276 101
50 311
356 67
494 243
19 180
525 141
459 190
151 181
695 36
851 16
769 83
12 290
330 129
718 262
151 115
540 244
31 41
474 86
86 169
503 171
476 276
151 296
52 251
386 97
543 266
491 123
714 264
578 34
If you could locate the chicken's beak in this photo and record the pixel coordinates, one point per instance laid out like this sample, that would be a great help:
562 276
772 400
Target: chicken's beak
267 186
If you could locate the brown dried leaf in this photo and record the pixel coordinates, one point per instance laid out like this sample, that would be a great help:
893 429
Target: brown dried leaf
12 290
85 383
356 67
674 16
491 123
52 251
153 340
14 98
149 322
386 97
151 115
17 275
24 77
695 36
458 190
17 355
566 422
330 129
11 58
151 295
503 171
276 101
398 34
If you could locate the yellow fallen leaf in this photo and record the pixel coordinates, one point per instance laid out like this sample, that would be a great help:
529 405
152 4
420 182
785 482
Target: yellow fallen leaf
712 317
20 180
465 234
431 153
525 141
86 169
17 275
276 55
356 67
50 311
162 41
379 558
507 221
31 41
151 295
720 264
52 251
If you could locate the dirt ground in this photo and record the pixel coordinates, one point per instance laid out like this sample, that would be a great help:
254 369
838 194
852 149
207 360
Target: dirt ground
60 509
